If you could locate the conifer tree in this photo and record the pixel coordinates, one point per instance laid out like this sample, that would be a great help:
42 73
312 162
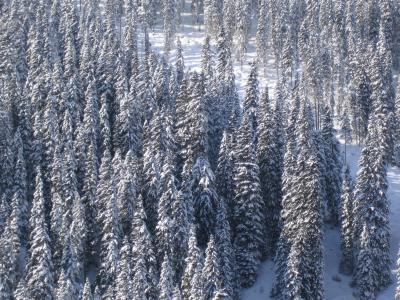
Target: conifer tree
139 283
39 277
248 218
87 291
177 294
128 189
365 272
110 227
165 226
170 23
262 33
270 160
243 17
370 211
301 274
145 281
346 220
20 188
181 209
224 172
333 167
205 199
225 253
213 14
251 101
180 62
123 289
210 270
193 260
166 285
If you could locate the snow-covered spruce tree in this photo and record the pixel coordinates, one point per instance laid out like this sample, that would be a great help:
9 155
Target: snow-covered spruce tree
87 291
65 288
301 274
123 288
20 187
333 177
205 199
145 269
166 283
213 16
130 40
125 129
69 181
207 60
39 277
15 231
139 282
170 23
382 99
196 123
262 34
224 173
157 139
182 210
210 270
365 272
177 295
193 259
371 209
196 285
108 218
10 245
248 220
128 189
20 290
270 159
251 101
165 226
70 280
346 222
225 253
243 17
180 62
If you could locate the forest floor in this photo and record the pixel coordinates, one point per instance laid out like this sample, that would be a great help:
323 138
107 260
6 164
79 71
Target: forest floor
337 286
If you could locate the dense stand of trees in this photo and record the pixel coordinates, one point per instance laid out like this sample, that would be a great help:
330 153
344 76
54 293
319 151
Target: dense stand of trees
126 177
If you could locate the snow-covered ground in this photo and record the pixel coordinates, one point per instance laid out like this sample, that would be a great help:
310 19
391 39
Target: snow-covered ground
337 286
192 37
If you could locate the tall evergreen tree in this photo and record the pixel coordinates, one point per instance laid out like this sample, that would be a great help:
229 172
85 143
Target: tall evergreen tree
333 167
193 260
251 101
110 227
262 33
248 218
39 277
123 288
205 199
346 220
166 285
270 160
165 226
145 269
301 274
